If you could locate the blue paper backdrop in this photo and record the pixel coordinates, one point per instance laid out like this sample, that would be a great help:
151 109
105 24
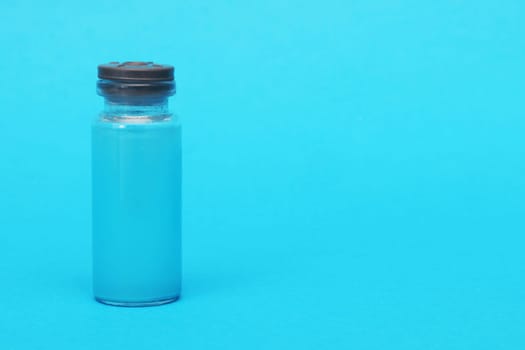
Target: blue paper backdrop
353 173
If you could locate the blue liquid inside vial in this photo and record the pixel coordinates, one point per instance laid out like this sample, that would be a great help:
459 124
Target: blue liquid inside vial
136 212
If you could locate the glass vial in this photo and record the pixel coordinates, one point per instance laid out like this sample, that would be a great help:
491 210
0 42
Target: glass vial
136 179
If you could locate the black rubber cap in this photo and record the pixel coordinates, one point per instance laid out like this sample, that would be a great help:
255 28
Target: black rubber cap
135 71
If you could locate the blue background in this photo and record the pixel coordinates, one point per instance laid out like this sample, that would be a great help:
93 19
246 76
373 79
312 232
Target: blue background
353 173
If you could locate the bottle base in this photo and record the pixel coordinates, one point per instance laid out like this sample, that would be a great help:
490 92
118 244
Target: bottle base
156 302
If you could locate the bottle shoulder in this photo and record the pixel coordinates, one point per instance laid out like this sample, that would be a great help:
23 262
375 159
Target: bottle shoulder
136 122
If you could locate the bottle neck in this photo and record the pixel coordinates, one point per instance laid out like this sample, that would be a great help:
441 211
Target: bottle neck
136 110
135 102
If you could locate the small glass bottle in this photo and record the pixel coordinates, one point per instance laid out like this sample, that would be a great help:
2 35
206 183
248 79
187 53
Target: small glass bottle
136 173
